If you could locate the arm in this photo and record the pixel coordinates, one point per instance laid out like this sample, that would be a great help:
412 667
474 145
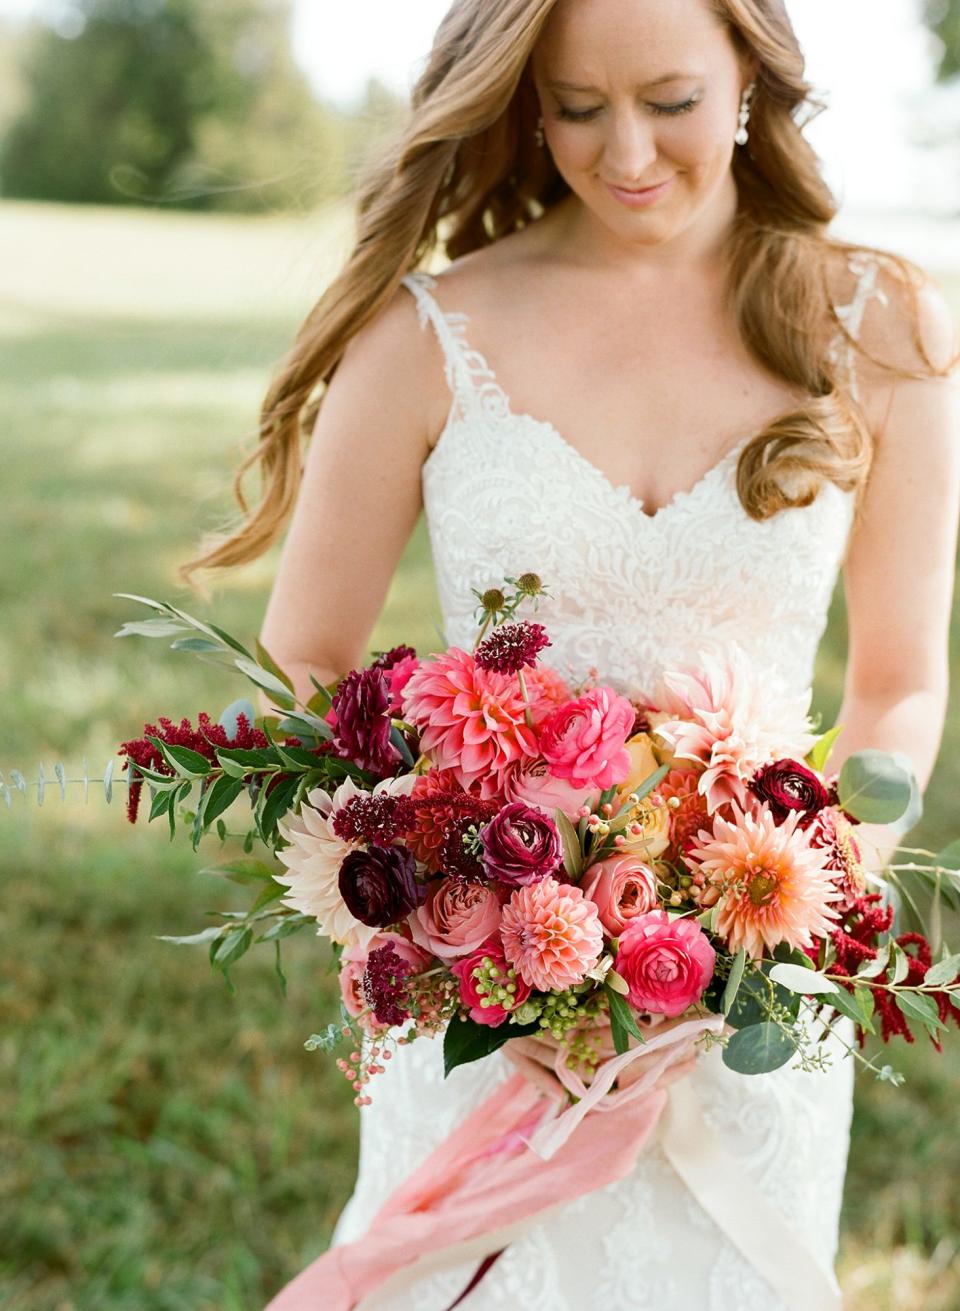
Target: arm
899 571
358 500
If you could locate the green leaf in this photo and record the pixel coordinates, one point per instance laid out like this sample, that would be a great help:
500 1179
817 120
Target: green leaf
217 798
241 871
733 981
284 927
399 741
268 663
875 787
570 845
198 645
306 726
108 782
758 1049
234 945
943 972
276 805
269 683
623 1022
751 1003
465 1041
901 964
823 747
876 966
149 628
161 803
651 781
322 699
949 857
917 1006
800 980
193 939
272 892
186 763
853 1007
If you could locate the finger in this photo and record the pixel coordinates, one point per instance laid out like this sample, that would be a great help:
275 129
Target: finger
535 1074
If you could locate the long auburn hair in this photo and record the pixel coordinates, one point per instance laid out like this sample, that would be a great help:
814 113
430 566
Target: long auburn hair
466 170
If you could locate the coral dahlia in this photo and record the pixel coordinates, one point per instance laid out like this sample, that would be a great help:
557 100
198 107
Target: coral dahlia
471 721
775 886
552 934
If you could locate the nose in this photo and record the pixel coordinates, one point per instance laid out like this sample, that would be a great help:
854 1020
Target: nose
631 146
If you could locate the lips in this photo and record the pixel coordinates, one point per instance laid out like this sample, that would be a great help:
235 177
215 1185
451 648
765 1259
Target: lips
639 197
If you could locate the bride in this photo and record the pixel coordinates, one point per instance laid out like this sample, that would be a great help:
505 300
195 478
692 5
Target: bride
649 373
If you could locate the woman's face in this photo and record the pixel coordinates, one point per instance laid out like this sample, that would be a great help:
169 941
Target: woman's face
640 94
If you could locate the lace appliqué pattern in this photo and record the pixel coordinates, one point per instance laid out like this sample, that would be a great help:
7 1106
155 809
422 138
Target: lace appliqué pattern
632 594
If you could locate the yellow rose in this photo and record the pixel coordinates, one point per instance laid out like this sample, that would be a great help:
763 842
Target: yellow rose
654 821
643 763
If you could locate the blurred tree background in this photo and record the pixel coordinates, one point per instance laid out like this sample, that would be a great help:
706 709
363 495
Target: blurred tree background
943 19
164 173
192 104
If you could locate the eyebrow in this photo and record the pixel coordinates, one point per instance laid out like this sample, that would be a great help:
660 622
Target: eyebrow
559 85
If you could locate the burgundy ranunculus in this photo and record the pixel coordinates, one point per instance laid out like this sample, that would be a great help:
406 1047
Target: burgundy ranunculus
379 886
787 785
362 709
520 844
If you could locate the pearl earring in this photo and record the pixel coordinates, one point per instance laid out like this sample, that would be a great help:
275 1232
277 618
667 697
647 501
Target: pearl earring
740 136
538 132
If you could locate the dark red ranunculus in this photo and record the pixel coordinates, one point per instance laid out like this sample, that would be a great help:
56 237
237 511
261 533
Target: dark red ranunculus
379 886
520 844
362 708
786 786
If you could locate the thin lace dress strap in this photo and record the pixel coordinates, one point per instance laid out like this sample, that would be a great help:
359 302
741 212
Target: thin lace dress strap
473 384
866 266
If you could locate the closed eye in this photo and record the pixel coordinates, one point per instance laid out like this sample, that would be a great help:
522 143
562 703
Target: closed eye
585 115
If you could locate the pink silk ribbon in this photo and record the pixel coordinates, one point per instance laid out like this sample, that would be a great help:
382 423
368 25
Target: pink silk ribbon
510 1163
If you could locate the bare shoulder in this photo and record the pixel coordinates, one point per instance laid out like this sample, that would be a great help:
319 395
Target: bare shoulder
484 279
907 322
394 360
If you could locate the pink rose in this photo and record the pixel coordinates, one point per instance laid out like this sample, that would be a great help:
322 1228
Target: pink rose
472 995
666 962
583 740
531 781
455 918
621 888
353 964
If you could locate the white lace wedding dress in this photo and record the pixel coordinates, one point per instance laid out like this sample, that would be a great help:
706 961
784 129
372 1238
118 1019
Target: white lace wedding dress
635 593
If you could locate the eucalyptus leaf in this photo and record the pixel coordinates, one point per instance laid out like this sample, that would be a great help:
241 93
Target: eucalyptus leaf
823 748
919 1007
943 972
193 939
269 682
229 719
875 787
197 645
876 966
801 980
233 946
570 846
901 964
758 1049
949 857
733 980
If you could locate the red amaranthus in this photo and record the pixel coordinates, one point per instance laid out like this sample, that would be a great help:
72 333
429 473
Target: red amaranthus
204 739
856 942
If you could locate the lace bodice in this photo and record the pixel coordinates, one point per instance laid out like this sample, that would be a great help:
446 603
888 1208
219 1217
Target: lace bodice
632 594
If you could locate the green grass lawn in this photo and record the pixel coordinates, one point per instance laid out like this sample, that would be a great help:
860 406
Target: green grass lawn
166 1145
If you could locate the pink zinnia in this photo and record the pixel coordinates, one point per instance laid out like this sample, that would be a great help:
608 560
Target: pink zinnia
552 934
471 720
726 718
775 886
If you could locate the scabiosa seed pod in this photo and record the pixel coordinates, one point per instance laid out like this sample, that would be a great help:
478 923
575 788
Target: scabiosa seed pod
512 646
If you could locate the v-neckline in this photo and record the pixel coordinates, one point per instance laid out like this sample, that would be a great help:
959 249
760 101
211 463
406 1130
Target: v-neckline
474 365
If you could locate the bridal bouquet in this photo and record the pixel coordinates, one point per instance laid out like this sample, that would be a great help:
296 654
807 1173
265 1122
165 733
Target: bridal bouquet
495 851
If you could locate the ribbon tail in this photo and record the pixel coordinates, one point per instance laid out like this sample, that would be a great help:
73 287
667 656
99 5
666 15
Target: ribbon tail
734 1202
481 1189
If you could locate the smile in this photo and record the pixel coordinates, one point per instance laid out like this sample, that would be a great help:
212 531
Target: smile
638 198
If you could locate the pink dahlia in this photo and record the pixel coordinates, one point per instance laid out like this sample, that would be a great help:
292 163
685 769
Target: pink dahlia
775 886
471 720
732 722
552 933
584 740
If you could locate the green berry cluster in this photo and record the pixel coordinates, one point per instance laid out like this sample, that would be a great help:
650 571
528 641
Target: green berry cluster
496 986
